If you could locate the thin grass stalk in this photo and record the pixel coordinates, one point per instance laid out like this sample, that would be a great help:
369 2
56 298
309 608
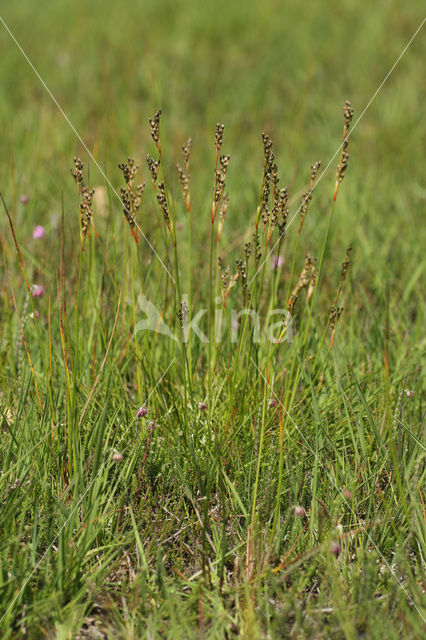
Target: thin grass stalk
40 343
210 371
319 273
138 350
185 364
259 462
189 293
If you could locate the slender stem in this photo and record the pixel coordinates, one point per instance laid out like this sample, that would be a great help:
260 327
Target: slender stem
320 264
210 319
189 294
137 345
292 268
259 460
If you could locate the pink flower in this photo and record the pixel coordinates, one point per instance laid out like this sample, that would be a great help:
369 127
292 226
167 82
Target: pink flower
275 263
39 232
36 290
141 412
273 403
117 456
25 199
299 511
202 406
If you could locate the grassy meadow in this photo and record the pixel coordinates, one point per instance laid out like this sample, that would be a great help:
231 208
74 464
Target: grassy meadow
231 472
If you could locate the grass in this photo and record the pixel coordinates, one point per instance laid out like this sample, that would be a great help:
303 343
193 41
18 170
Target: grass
181 522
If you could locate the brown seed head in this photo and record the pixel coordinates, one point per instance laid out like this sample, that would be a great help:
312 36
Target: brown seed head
219 136
222 215
344 156
314 172
162 201
129 170
155 126
77 172
186 151
183 314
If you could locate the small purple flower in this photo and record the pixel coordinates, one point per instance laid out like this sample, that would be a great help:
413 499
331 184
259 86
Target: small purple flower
25 199
273 403
299 511
141 412
117 456
36 290
335 548
39 232
277 263
202 406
